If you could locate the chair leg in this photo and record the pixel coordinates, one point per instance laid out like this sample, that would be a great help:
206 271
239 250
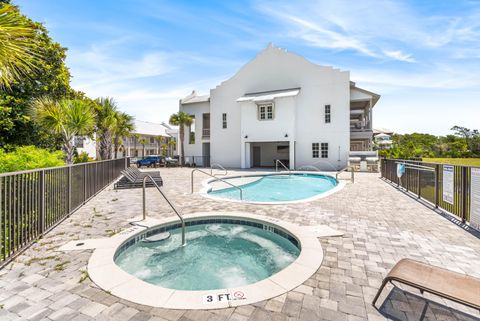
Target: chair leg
379 291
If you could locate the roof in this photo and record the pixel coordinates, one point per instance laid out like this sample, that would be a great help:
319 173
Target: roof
269 95
375 97
380 130
153 129
194 98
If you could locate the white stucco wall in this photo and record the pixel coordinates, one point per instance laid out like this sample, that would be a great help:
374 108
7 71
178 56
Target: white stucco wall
300 117
197 110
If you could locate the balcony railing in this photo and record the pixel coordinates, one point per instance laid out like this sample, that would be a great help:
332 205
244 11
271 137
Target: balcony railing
206 132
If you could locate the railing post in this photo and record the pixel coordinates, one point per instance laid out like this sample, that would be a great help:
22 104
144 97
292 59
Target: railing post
464 192
84 183
41 220
69 189
437 174
419 189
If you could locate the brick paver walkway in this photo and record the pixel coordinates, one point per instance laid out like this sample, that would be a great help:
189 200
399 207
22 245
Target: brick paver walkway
381 225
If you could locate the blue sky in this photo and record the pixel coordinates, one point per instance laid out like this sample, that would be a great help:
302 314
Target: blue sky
423 57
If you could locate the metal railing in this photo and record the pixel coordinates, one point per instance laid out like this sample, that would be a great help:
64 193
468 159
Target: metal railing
166 199
33 202
219 167
426 181
217 178
277 161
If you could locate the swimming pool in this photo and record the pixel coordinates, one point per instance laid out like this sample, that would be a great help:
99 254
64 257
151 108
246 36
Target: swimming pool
275 188
275 255
221 253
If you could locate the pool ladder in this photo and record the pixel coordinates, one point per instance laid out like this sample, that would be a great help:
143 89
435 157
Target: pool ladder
217 178
277 161
166 199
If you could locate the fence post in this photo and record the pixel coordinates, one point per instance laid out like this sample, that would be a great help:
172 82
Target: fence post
419 189
437 174
69 189
464 192
41 220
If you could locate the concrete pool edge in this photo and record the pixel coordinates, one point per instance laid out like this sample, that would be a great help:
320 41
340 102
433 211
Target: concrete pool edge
108 276
206 187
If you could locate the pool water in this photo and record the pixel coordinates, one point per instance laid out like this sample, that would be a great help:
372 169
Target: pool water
279 188
216 256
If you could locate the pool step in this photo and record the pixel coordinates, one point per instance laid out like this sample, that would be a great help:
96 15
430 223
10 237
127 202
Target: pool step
157 237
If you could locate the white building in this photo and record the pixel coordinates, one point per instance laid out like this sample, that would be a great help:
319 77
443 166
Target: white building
147 139
280 106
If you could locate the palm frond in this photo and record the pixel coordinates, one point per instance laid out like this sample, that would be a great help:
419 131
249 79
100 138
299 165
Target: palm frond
19 53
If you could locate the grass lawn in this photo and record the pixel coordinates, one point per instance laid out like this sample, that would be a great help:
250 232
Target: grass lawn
454 161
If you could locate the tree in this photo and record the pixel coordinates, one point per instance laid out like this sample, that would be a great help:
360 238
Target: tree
66 117
19 53
51 78
467 134
181 119
160 141
143 141
106 110
123 128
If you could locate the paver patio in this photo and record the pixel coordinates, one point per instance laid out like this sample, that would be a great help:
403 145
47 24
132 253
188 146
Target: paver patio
381 226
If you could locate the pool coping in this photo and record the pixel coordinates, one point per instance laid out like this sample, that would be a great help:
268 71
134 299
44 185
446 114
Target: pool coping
206 187
108 276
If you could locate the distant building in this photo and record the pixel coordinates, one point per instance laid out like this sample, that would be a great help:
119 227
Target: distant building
382 138
280 106
157 139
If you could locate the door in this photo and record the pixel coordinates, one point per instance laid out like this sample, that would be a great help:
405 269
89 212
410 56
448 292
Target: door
256 156
206 154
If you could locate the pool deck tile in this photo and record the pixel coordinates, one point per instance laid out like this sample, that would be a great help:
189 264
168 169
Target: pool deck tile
380 225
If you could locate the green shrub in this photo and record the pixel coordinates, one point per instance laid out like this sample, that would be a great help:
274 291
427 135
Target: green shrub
29 157
81 158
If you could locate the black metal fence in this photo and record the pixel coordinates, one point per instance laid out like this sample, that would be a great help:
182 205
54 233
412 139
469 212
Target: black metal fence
33 202
426 181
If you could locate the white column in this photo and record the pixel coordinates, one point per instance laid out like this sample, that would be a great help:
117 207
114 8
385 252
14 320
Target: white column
246 159
291 156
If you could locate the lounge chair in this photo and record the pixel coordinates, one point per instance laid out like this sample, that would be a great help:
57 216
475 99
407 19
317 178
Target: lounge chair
132 179
447 284
136 172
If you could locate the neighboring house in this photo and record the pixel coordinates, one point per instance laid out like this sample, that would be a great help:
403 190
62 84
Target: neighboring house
159 138
382 138
280 106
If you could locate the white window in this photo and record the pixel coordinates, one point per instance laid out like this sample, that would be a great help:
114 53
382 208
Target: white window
265 112
328 117
224 120
324 150
315 150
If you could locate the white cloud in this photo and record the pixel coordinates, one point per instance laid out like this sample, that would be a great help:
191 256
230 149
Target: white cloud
398 55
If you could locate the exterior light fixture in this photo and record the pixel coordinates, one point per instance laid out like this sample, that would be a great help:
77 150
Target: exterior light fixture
246 136
286 135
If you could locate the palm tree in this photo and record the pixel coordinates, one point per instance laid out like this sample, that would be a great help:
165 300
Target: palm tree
160 140
67 117
106 109
181 119
137 137
171 144
143 141
123 128
19 52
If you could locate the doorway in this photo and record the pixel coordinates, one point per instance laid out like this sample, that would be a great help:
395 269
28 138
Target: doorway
256 156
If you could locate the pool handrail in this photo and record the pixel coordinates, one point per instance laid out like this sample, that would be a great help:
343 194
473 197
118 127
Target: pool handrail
219 167
166 199
277 161
217 178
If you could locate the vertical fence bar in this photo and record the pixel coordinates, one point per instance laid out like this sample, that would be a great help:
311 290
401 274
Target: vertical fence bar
41 220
